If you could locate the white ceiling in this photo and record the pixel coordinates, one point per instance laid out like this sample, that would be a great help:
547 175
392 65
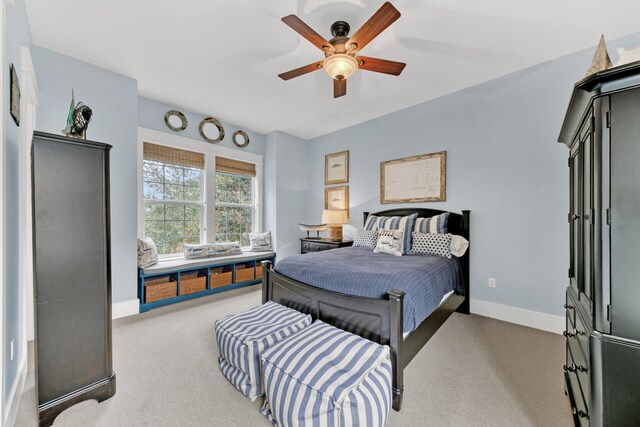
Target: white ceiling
222 57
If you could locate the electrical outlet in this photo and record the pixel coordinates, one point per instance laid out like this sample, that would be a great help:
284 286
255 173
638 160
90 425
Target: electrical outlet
11 349
492 282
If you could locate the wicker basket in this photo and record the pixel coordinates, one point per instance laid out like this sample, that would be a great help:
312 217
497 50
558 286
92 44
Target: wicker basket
259 271
160 288
220 278
190 283
245 273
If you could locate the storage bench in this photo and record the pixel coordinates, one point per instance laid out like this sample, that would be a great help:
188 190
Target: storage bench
177 280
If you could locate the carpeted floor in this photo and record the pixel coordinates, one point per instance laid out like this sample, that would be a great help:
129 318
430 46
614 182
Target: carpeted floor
475 371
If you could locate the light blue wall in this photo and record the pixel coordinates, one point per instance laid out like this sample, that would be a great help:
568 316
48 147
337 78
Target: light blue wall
286 188
17 36
503 163
151 115
114 101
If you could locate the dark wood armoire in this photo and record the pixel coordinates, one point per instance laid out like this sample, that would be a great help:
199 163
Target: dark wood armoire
72 273
602 131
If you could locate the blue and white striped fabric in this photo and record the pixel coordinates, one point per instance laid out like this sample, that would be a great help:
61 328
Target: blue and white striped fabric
324 376
242 338
405 223
438 224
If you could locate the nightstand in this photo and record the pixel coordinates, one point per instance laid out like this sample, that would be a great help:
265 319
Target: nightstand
308 244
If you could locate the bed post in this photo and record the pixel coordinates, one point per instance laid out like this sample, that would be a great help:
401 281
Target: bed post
464 262
266 271
396 302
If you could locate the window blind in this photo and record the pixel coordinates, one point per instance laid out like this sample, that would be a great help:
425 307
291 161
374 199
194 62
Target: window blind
236 167
174 156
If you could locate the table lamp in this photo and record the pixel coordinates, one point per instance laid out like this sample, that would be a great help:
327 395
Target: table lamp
334 219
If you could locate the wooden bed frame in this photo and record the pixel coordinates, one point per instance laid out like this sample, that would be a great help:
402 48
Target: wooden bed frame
378 320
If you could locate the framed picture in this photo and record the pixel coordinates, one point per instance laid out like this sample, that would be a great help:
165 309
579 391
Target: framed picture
414 179
15 96
336 168
337 198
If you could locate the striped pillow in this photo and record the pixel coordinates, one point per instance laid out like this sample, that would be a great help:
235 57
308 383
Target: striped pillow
325 376
436 224
404 223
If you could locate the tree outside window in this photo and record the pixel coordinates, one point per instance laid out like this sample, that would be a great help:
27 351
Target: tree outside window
235 206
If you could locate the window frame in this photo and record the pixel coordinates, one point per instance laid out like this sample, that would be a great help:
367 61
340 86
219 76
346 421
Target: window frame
251 205
210 152
174 202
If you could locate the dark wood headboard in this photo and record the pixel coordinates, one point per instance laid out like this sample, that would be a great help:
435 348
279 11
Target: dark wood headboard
458 224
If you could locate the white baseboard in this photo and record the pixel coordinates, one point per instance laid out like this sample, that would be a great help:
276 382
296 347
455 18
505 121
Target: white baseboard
125 308
15 395
519 316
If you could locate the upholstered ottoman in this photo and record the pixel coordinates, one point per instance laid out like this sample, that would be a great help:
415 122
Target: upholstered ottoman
326 376
242 338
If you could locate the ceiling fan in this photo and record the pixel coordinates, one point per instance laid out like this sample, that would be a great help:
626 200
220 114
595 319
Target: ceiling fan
340 52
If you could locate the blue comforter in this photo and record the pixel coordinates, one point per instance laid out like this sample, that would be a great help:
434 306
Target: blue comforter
425 279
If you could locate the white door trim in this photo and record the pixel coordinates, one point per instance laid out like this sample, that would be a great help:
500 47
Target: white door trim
29 87
3 101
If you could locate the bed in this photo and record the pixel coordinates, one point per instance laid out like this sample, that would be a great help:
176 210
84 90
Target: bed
387 315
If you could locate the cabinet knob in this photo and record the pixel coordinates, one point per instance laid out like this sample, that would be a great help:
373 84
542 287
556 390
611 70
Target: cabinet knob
571 368
568 334
568 307
579 413
581 368
574 217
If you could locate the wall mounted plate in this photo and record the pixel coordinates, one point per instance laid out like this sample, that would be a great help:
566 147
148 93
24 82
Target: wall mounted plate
203 131
244 136
175 120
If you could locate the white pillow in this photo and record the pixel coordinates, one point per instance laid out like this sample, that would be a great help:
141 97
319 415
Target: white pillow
366 239
390 242
431 244
147 252
207 250
459 245
260 242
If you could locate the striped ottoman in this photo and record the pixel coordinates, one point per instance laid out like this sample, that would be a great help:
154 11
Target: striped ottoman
242 338
326 376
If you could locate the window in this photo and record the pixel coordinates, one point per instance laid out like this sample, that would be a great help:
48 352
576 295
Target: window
235 200
193 193
173 202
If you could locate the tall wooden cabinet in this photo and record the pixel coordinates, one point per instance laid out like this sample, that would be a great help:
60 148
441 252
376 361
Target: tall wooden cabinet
72 273
602 131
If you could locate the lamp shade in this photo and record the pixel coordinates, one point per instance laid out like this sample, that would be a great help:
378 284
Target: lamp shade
340 66
334 217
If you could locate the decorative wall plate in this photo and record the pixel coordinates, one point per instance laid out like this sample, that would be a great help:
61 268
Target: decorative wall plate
213 121
244 136
175 120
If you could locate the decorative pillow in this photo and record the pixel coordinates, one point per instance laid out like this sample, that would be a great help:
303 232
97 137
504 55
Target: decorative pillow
147 253
435 224
431 244
207 250
404 223
366 239
459 245
260 242
390 242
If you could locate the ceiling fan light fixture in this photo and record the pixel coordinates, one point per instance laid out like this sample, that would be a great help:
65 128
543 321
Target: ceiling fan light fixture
340 66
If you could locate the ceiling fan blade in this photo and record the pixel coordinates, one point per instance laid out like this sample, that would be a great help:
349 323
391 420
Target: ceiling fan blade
300 71
339 88
380 65
385 16
306 31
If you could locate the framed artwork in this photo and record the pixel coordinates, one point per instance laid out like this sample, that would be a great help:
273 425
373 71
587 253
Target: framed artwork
337 198
414 179
336 168
15 96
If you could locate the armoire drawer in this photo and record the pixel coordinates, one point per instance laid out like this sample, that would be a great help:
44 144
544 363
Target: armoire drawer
578 364
578 384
